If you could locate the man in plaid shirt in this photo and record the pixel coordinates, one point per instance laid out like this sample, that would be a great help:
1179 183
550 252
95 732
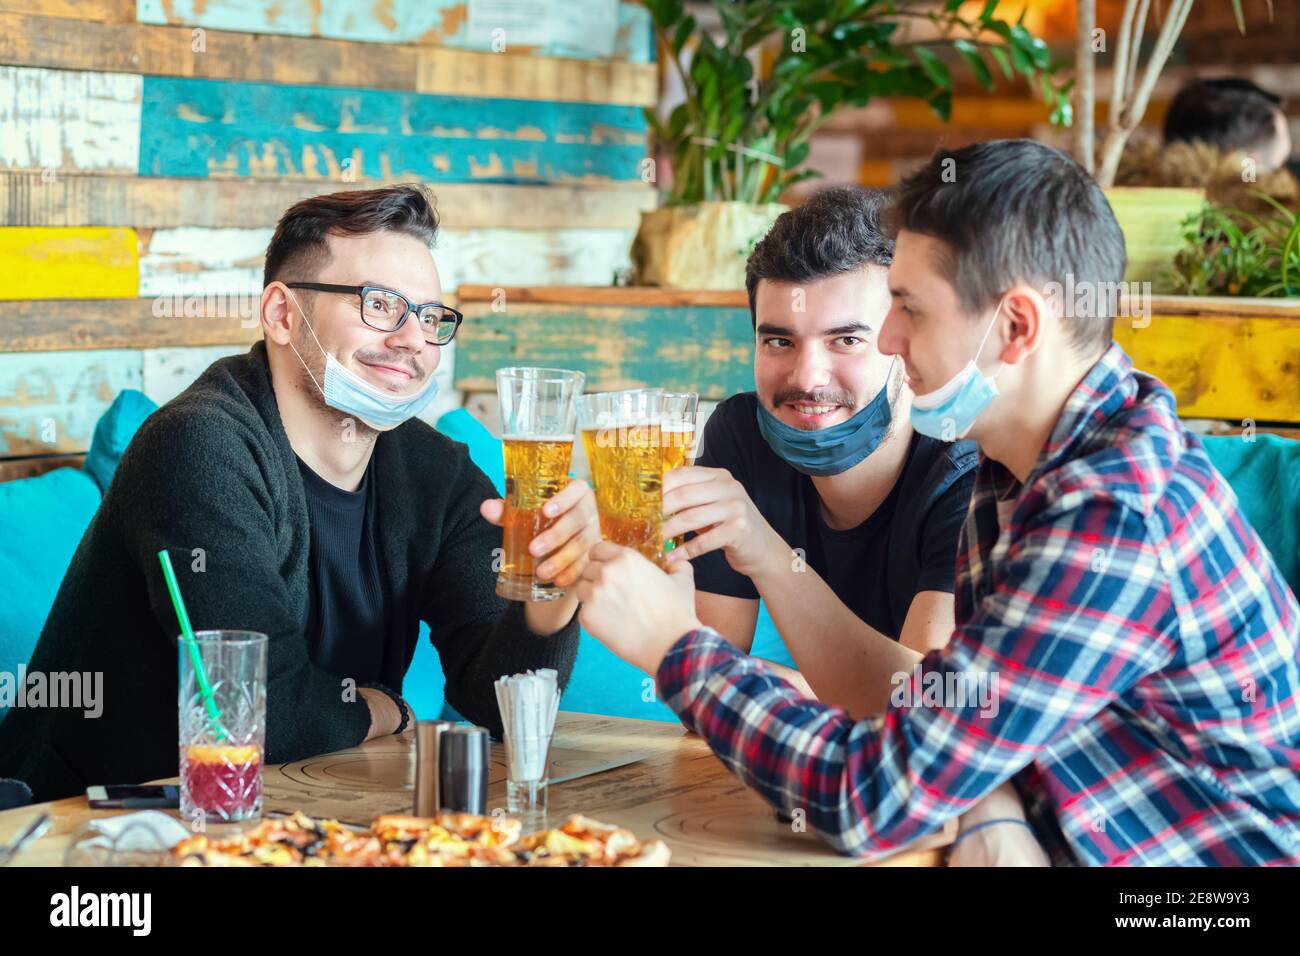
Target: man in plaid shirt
1139 641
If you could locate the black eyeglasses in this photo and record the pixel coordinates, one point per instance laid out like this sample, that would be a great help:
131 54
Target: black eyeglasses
385 310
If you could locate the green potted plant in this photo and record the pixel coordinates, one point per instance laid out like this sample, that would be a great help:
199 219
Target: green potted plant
741 135
1238 253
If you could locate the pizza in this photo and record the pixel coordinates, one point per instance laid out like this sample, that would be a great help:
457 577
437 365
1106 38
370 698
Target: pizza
581 841
449 839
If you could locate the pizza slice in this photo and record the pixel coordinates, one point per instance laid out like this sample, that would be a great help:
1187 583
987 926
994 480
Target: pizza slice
582 841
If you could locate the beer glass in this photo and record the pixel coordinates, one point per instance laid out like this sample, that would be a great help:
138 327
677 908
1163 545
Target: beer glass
677 425
677 437
538 415
621 435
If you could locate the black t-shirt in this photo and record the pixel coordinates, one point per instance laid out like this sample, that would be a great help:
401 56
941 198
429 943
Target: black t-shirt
907 545
347 624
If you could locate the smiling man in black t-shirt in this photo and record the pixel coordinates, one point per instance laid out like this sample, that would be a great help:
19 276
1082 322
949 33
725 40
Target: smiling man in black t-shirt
813 492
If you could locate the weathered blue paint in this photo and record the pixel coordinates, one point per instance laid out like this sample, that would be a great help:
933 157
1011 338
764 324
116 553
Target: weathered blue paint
441 22
199 127
50 401
703 349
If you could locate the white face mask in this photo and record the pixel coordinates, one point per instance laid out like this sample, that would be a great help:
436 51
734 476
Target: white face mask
353 395
950 410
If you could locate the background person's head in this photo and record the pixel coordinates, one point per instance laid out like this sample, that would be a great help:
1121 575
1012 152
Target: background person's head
1011 223
1231 114
818 293
376 237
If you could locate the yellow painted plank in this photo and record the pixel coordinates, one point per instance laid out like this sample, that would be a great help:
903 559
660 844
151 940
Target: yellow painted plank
68 263
1221 366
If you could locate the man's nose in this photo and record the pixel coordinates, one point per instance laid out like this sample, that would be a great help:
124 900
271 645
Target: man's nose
409 337
889 340
812 369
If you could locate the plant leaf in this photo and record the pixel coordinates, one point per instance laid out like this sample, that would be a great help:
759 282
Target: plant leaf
970 53
934 67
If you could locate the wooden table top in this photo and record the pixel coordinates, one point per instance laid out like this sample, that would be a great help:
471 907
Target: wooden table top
678 792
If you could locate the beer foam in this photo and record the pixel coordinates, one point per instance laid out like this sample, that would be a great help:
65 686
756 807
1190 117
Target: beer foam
532 437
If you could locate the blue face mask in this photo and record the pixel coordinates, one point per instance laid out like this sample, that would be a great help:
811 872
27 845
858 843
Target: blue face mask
949 411
351 394
829 451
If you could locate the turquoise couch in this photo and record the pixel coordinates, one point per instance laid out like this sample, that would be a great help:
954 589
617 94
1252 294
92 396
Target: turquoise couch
42 520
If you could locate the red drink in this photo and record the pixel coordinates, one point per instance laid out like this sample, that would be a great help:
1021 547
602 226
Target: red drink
222 782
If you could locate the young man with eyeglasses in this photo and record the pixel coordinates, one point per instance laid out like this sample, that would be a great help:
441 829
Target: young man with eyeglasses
299 496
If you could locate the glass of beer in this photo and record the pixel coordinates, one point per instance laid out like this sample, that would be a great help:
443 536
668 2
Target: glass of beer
538 417
621 435
677 424
677 437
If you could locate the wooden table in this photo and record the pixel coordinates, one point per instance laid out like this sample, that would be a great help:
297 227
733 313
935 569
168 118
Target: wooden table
678 792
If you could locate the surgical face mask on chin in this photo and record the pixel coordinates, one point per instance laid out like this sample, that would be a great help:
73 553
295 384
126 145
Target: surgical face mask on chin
949 412
833 450
347 392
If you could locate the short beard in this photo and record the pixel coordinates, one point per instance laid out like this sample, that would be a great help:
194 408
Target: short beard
894 386
312 354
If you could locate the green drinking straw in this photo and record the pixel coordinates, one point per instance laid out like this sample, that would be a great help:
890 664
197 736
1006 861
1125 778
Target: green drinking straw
188 633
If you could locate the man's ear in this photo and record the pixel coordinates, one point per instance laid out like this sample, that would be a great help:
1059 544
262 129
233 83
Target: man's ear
276 313
1024 313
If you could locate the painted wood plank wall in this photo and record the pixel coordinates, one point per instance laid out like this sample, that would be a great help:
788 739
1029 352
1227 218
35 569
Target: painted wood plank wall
50 401
146 151
57 119
51 198
60 43
174 126
707 350
53 263
91 262
191 127
444 22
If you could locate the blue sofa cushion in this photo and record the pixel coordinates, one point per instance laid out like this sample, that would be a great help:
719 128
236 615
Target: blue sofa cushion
114 431
484 450
42 520
1265 474
425 685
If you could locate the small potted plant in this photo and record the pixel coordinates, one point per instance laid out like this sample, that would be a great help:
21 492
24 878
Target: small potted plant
741 135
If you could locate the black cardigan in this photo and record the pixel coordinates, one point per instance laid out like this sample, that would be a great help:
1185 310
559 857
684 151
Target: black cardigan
213 470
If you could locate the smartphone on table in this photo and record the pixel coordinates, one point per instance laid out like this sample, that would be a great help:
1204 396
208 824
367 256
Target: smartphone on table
115 796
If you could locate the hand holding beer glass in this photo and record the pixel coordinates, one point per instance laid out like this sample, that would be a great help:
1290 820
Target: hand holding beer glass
538 415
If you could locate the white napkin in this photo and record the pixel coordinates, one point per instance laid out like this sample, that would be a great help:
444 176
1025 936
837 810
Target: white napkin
528 703
143 830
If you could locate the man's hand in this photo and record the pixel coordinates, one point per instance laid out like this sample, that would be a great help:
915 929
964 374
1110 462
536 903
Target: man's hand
998 844
712 503
634 608
565 543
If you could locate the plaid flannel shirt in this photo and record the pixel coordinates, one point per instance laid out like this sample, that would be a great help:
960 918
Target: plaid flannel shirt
1144 647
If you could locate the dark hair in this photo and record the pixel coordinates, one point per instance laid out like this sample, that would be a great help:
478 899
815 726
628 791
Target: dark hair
298 247
1015 210
1229 113
837 230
